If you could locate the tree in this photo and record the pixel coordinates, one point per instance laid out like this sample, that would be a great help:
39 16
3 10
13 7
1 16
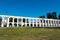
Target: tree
41 16
58 16
54 16
49 16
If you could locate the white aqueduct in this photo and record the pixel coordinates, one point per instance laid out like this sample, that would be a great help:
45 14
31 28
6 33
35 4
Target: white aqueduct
29 22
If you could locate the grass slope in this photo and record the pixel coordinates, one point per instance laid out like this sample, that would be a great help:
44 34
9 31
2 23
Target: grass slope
29 34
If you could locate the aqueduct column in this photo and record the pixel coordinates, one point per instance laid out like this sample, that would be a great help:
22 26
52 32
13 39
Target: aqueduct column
26 22
48 24
8 22
21 22
33 22
39 23
36 22
2 22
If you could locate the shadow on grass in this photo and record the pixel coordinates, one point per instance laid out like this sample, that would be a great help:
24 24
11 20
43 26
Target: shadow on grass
48 27
32 27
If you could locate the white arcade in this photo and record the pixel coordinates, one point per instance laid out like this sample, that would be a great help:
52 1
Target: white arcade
19 21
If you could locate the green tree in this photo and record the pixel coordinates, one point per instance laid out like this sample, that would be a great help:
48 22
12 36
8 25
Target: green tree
49 16
54 15
41 16
58 16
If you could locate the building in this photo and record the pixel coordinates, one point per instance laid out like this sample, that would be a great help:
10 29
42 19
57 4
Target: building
27 22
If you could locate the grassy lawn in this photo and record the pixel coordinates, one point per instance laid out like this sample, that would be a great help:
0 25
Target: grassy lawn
29 34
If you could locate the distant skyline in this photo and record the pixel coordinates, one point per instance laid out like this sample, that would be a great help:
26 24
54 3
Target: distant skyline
30 8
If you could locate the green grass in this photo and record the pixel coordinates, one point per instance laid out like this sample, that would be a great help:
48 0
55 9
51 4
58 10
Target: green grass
29 34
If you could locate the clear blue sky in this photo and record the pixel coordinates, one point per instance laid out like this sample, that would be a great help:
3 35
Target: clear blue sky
34 8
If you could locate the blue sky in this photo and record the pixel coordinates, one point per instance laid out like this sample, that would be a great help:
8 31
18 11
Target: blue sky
34 8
